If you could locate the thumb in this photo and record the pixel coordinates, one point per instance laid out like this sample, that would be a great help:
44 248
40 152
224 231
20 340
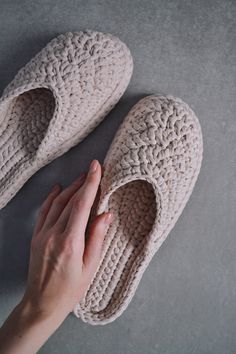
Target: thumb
93 247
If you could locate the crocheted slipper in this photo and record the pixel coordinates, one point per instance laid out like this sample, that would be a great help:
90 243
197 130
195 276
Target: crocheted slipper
150 171
56 100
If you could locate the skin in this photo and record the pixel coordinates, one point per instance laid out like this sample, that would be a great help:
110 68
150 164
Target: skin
62 264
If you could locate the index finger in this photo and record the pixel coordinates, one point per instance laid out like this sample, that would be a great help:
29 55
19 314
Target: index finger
83 202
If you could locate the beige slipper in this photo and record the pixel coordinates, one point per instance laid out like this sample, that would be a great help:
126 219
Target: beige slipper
56 100
150 171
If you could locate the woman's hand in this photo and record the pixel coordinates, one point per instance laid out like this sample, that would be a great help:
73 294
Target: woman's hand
61 265
62 261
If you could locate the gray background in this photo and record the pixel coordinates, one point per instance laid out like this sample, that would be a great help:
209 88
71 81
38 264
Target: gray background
186 302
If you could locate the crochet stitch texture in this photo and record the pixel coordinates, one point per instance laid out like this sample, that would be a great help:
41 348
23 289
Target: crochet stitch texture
56 100
150 171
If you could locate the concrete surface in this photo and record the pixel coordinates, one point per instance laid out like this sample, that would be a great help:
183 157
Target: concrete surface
186 302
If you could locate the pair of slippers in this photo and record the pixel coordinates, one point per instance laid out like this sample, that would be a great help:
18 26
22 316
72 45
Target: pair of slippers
151 167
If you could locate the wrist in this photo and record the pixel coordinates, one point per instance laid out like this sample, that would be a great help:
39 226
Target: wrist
31 312
26 329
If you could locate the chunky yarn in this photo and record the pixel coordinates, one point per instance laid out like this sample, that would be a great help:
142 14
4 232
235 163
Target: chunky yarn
56 100
150 171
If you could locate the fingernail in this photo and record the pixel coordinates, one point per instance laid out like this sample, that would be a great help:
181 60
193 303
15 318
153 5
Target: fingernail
108 218
93 166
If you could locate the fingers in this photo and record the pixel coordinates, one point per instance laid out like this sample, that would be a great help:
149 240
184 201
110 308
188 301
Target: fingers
83 202
93 210
45 208
64 217
65 214
61 201
94 243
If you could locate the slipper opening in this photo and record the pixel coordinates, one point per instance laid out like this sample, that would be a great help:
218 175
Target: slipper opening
135 210
25 121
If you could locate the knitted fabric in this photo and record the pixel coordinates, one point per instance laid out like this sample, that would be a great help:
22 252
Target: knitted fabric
150 171
56 100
